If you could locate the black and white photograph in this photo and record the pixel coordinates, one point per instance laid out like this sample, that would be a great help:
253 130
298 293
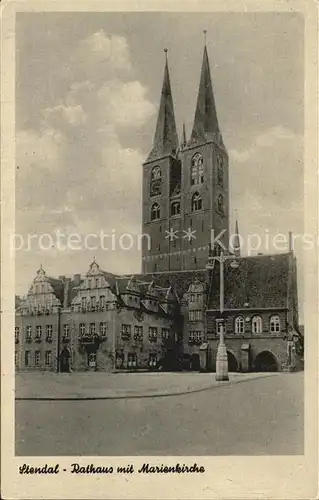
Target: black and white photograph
159 243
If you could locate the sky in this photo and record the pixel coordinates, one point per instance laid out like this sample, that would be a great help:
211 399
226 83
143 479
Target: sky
87 94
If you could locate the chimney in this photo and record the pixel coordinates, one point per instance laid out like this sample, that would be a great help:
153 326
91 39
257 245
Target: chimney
291 242
77 279
66 293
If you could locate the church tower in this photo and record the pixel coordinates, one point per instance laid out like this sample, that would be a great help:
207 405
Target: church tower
185 187
161 183
205 178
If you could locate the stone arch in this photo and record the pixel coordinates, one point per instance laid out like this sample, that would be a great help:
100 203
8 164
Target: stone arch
65 360
195 362
233 364
266 361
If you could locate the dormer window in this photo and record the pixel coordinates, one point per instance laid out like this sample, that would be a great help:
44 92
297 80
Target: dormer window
175 208
197 203
197 171
156 181
155 211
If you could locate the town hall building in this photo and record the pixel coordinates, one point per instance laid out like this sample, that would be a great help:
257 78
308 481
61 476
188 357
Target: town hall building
168 316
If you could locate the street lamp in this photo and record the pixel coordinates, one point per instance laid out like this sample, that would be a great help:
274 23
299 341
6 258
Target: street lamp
221 358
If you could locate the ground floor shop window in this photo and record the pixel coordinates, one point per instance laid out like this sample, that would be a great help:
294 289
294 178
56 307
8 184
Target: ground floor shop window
119 359
92 359
152 361
131 360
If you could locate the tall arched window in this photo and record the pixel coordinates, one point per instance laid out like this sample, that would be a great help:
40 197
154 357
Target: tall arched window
156 181
274 324
197 171
175 208
239 325
220 204
256 324
197 203
155 211
220 170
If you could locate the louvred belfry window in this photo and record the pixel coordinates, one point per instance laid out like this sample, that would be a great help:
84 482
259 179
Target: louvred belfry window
197 170
155 211
197 203
220 204
220 170
156 181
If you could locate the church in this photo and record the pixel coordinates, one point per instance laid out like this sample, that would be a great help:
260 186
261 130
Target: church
169 316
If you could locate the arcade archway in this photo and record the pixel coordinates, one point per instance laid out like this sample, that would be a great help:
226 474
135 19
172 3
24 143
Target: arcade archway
232 362
266 362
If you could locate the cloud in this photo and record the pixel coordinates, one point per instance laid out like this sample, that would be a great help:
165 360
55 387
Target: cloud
75 173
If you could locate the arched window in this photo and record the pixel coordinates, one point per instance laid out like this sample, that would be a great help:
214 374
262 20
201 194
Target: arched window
256 324
197 203
155 211
220 170
239 325
220 204
175 208
197 171
274 324
156 181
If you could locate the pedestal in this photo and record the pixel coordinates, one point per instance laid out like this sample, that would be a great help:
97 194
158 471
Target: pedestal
221 364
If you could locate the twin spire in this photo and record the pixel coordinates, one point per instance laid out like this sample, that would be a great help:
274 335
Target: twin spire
205 127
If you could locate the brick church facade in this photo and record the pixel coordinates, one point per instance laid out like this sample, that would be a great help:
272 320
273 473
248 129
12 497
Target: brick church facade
168 316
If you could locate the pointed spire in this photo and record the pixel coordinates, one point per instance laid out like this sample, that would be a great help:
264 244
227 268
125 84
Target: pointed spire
236 242
205 126
184 140
165 138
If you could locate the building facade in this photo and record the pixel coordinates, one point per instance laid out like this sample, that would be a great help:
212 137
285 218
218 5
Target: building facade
169 315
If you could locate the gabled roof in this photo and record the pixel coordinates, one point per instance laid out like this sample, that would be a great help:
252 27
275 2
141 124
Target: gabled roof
58 288
259 282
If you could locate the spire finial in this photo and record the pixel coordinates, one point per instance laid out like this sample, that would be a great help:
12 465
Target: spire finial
205 32
165 50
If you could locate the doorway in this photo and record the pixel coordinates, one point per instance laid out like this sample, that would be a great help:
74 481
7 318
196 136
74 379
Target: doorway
266 362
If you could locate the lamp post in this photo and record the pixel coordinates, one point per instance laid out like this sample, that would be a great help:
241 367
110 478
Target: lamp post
59 340
221 358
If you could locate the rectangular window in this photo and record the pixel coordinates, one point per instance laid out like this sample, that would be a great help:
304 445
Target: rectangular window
102 301
93 301
27 358
92 329
28 334
49 333
16 334
126 332
195 337
48 358
138 333
192 297
83 303
37 358
66 332
165 333
38 334
16 358
152 334
103 329
82 329
196 315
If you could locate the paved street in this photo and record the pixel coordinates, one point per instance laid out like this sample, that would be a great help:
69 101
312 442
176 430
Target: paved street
260 416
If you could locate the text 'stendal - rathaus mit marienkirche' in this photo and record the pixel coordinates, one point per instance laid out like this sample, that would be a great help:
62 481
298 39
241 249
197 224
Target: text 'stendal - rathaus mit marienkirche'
169 316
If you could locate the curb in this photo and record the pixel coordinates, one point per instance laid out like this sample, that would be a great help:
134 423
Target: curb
143 396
